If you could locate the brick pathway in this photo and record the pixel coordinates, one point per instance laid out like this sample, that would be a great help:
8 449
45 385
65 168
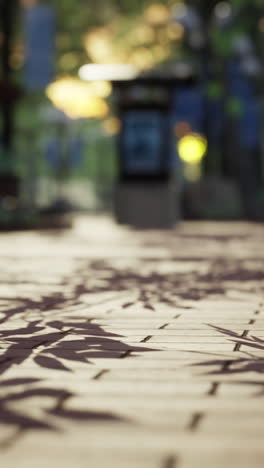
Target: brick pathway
129 349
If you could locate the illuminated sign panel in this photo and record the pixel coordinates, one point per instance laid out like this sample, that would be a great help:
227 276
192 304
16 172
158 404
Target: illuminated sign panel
143 141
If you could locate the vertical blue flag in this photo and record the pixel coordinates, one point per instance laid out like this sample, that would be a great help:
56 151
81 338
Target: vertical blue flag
39 27
249 124
76 148
53 153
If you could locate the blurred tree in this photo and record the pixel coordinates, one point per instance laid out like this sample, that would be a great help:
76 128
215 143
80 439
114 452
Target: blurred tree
233 66
223 38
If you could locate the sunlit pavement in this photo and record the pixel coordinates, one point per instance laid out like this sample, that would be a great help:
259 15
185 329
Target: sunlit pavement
122 348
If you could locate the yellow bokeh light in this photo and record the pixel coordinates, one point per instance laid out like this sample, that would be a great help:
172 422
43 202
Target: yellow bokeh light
175 31
112 45
95 108
144 33
192 148
157 14
160 53
112 126
142 58
101 89
77 99
99 45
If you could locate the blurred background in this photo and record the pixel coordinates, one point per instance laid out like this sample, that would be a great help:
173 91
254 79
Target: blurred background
61 120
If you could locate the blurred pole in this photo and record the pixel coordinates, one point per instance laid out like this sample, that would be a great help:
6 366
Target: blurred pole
8 10
213 160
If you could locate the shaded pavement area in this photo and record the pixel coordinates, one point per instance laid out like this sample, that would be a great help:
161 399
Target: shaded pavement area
121 348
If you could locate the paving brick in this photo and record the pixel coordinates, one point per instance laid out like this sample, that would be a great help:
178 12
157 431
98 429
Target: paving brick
183 403
146 375
228 458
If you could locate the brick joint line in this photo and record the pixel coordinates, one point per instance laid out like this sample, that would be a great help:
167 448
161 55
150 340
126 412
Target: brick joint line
100 374
238 345
170 462
214 388
145 340
195 421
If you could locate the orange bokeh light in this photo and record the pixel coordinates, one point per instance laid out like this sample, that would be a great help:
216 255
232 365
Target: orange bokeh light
182 128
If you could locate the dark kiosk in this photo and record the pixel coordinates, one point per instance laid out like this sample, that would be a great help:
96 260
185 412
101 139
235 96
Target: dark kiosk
146 189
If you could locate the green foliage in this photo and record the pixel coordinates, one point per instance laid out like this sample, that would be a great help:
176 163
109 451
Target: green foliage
234 107
239 3
215 90
76 18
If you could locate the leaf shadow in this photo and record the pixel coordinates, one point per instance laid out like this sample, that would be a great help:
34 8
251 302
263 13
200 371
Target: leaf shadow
54 345
248 363
47 420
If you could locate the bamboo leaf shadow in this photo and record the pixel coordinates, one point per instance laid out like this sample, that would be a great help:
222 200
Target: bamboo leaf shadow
55 345
87 341
45 344
50 363
250 363
9 415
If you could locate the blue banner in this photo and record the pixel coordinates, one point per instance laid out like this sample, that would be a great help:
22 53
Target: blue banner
189 106
53 153
39 27
250 125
